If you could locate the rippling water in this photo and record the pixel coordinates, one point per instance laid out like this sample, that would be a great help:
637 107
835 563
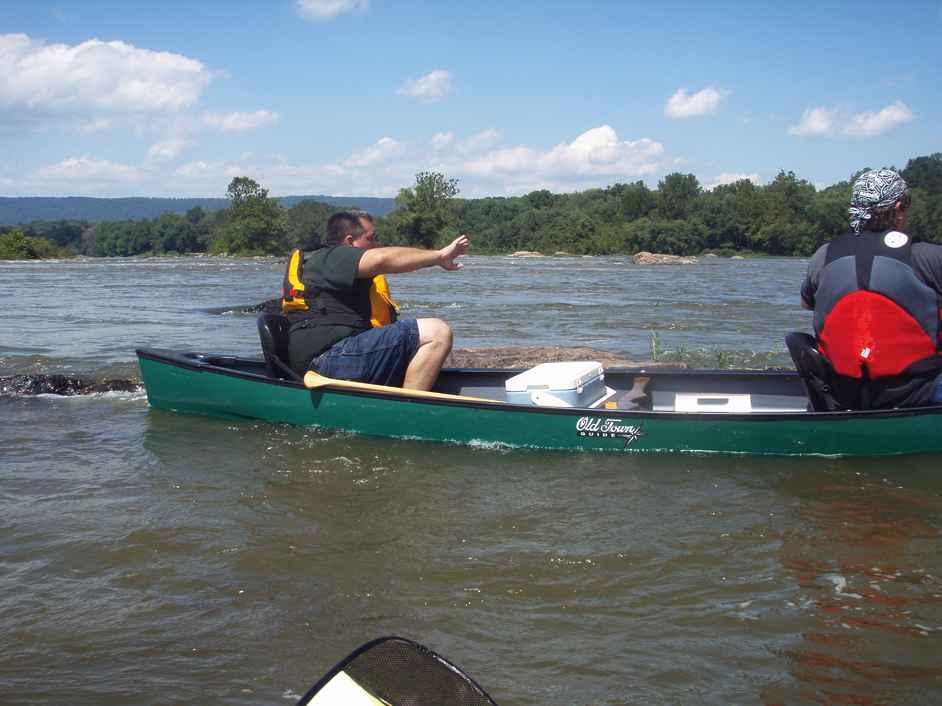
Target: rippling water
151 558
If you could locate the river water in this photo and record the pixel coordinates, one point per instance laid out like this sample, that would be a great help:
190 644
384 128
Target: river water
153 558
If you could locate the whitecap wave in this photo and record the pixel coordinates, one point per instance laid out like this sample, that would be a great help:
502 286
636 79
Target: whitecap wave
128 396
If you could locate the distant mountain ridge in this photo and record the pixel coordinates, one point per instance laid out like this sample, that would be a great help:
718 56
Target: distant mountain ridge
25 209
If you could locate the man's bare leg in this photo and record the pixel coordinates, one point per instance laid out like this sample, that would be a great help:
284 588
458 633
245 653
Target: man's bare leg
435 341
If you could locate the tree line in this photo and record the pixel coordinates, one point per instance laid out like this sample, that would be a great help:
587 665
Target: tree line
788 216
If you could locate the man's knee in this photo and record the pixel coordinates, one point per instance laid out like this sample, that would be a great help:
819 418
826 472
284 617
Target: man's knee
434 331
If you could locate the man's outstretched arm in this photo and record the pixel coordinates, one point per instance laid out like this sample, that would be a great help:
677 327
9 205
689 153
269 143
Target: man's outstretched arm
394 259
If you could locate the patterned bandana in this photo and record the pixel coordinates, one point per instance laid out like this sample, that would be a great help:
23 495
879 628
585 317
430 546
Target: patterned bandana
874 191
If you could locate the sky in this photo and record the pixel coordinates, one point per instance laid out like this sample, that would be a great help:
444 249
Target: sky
354 97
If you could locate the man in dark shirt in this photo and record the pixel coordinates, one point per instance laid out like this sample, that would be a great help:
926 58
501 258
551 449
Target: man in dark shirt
335 337
876 298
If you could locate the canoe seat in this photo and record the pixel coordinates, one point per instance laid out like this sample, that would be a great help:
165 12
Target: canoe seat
815 371
273 334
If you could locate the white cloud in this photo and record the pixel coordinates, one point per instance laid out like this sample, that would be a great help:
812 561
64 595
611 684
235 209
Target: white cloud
167 150
441 140
380 151
596 152
869 124
732 178
815 122
239 122
96 124
428 88
196 169
478 141
94 78
705 102
88 169
597 157
828 122
328 9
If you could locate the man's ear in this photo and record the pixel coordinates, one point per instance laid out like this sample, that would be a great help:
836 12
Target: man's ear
899 213
348 240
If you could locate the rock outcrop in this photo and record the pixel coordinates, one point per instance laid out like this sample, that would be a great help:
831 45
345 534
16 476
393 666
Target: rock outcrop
649 258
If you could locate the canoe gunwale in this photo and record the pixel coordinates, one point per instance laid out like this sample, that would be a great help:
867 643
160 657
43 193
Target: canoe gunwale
201 362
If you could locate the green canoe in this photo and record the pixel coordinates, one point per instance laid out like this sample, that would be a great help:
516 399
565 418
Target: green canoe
764 412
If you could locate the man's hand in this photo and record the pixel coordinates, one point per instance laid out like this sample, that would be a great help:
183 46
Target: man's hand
458 247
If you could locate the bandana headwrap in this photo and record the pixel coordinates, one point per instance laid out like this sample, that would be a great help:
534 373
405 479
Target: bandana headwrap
874 191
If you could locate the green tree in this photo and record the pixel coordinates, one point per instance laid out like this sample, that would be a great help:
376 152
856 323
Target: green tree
787 199
925 173
64 233
16 245
307 223
256 224
424 215
196 215
676 194
925 217
541 199
631 201
829 210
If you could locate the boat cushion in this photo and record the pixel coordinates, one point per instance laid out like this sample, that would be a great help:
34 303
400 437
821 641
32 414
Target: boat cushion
273 334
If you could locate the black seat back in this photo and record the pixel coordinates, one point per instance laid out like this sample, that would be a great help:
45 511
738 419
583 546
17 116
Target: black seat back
273 334
815 371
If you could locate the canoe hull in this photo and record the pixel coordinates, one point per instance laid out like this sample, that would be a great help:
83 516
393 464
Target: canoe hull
194 387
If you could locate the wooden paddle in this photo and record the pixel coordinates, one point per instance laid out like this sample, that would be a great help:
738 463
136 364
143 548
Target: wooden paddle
316 381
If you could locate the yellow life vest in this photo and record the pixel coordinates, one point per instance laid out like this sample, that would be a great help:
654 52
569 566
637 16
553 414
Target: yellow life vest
292 288
383 309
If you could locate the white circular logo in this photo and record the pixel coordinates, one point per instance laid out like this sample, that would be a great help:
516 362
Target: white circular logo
895 239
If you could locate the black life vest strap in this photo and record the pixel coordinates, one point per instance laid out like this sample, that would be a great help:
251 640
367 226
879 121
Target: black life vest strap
927 366
325 308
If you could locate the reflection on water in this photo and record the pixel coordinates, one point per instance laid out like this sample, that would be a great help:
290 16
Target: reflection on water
864 556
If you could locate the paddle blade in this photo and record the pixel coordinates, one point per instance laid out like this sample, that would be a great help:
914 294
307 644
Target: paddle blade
393 671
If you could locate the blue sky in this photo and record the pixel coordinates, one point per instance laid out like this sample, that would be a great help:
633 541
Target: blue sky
353 97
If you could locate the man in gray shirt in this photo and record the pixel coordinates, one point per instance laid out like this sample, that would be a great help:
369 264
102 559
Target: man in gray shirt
876 297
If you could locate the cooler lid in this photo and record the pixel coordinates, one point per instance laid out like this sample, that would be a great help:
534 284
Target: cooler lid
555 376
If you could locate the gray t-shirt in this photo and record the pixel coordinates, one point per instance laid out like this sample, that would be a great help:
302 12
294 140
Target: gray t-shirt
926 262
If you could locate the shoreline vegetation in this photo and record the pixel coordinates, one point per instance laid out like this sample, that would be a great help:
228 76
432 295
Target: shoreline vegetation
787 217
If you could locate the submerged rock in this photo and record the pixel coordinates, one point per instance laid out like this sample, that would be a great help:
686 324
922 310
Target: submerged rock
527 253
649 258
271 306
63 385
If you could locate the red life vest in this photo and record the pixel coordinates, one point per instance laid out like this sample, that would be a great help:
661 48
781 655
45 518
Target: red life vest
874 318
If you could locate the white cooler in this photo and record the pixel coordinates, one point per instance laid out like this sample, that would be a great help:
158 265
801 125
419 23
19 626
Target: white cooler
569 384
